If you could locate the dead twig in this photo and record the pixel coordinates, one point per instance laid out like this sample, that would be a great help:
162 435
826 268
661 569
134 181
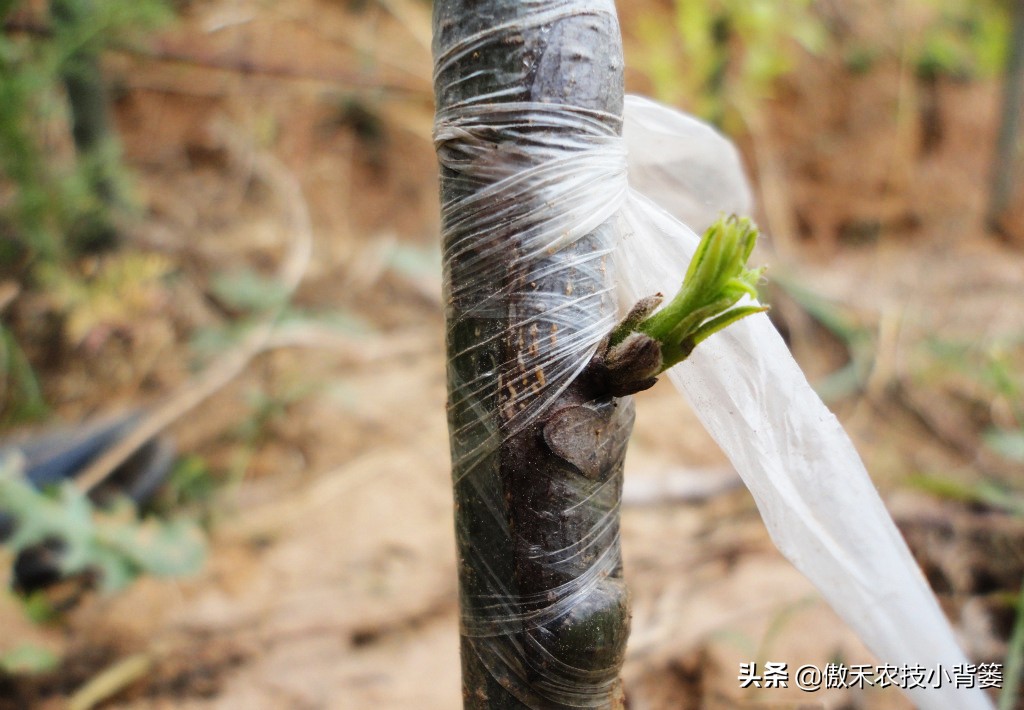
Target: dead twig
166 52
111 681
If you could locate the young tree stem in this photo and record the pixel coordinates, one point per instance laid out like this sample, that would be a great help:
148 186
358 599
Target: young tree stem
537 511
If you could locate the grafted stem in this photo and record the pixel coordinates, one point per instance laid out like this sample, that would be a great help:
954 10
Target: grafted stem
544 609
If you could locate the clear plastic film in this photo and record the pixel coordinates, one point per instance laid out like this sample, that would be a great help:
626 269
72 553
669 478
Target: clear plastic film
542 227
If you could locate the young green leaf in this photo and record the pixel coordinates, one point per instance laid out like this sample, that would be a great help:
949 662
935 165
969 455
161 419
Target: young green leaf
716 280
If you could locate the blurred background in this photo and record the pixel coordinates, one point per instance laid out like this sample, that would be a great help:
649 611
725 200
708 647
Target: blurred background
220 315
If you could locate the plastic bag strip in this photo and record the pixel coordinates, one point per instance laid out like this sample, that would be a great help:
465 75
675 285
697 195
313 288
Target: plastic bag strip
811 488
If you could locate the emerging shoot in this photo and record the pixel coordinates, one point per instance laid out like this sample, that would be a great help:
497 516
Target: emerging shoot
646 343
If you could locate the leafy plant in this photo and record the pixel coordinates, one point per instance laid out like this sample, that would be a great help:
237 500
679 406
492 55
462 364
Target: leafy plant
1008 444
268 409
255 297
49 200
710 53
113 542
247 290
259 302
190 490
994 373
53 202
21 398
1014 663
966 38
28 659
984 493
1004 376
858 338
110 294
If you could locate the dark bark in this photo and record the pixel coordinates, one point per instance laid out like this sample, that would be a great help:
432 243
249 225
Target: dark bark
537 507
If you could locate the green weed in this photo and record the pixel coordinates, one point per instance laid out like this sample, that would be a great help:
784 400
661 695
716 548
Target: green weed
113 543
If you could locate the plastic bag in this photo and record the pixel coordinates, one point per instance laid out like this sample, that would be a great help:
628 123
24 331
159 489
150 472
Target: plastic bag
811 488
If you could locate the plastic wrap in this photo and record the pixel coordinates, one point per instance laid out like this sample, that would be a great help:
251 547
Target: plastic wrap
541 227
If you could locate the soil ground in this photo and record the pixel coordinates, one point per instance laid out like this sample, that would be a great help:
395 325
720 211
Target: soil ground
331 580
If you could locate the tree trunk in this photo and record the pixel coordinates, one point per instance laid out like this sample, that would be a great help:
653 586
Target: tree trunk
537 449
